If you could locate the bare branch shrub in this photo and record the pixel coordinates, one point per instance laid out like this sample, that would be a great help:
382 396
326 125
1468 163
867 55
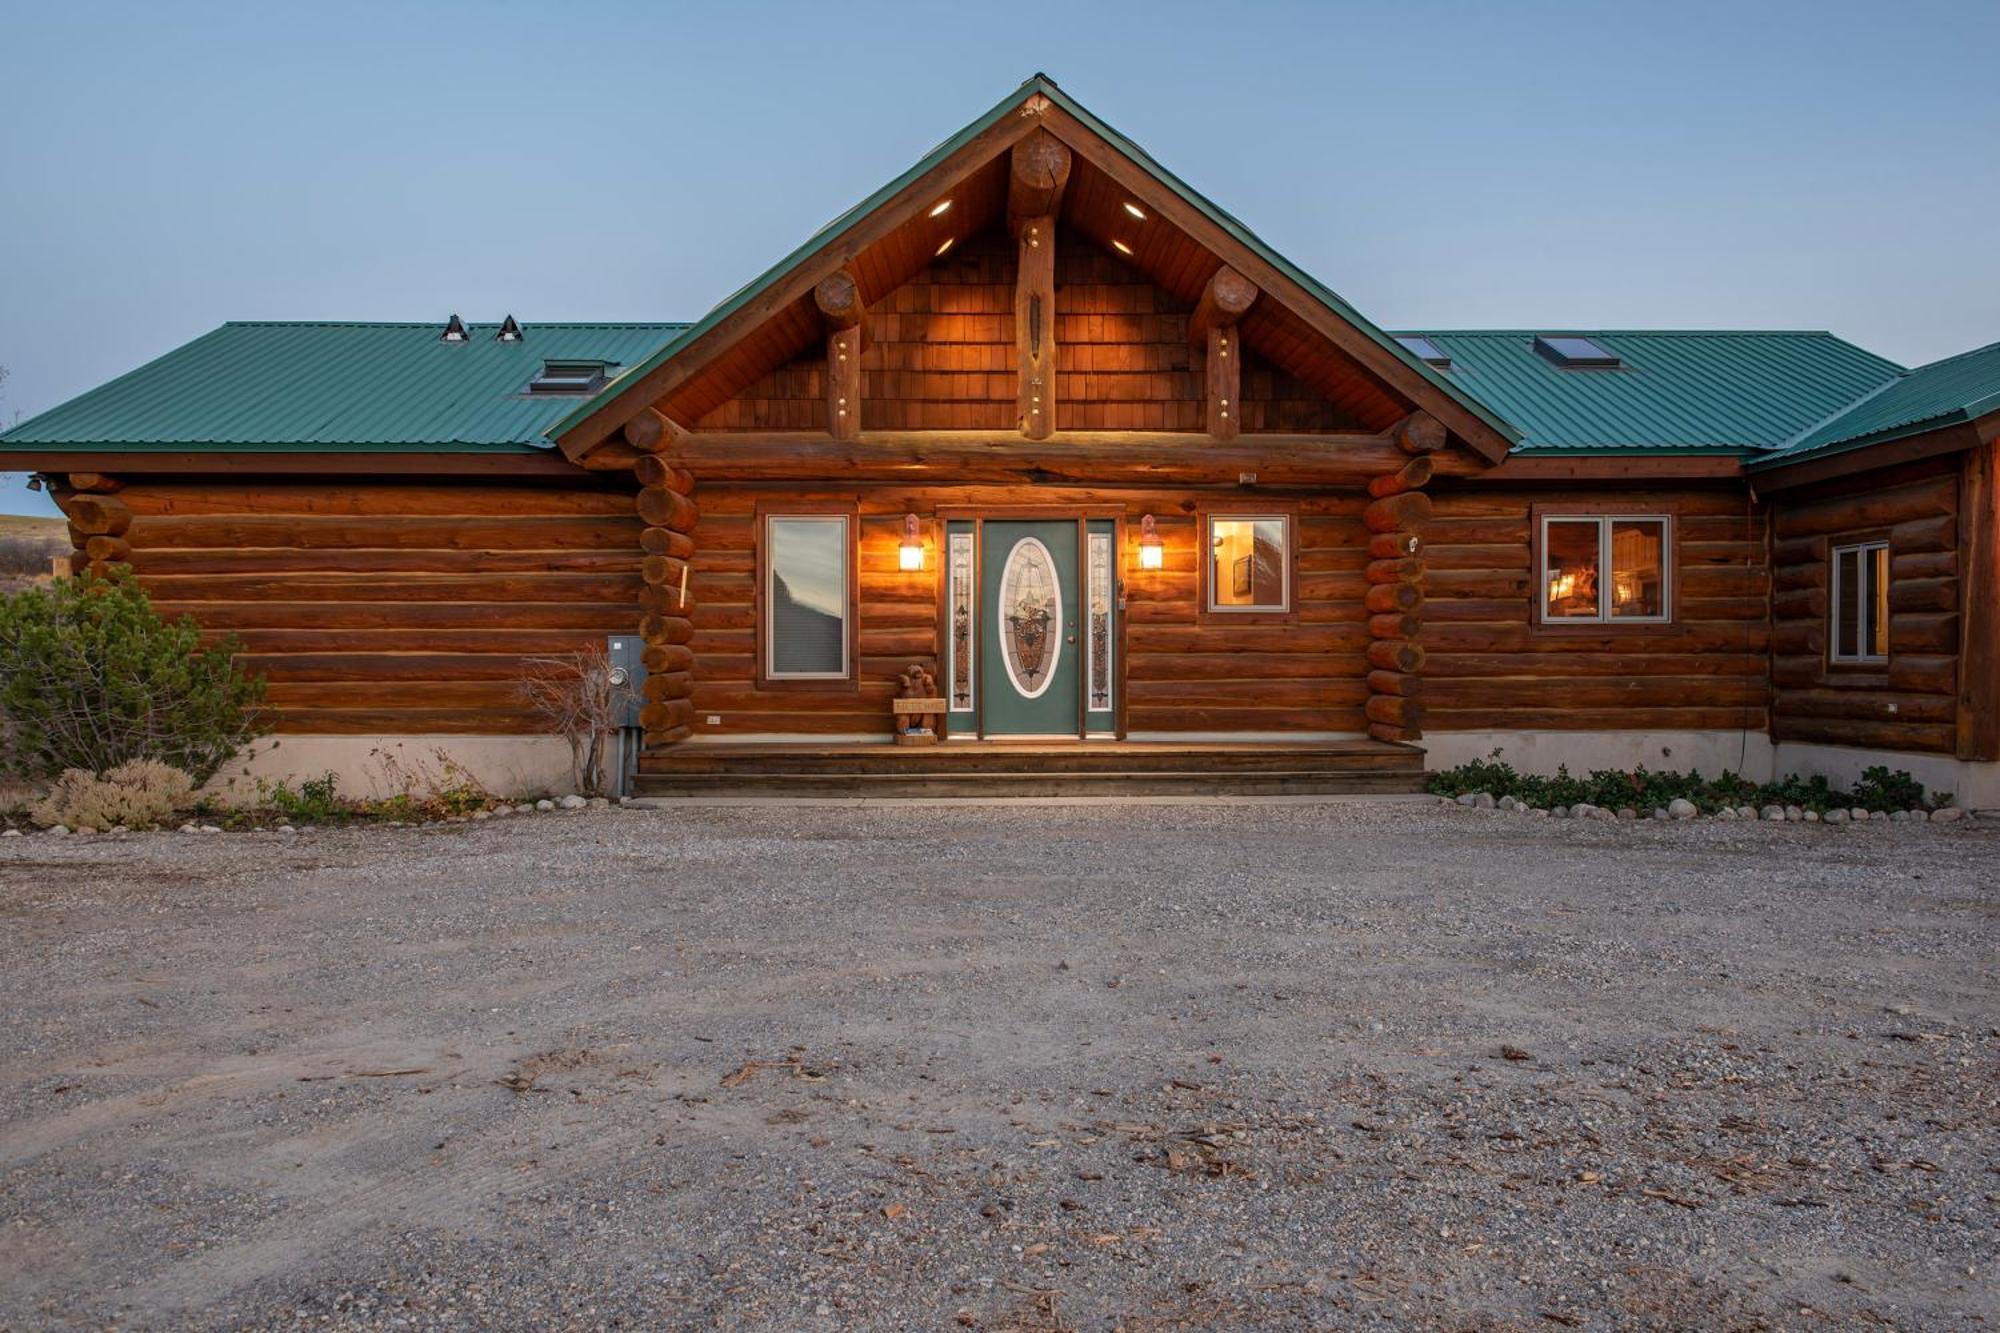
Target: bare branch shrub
576 696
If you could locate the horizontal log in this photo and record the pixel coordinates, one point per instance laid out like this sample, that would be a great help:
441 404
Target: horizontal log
107 550
359 498
1037 173
1395 545
1222 664
665 541
1518 636
665 599
1382 731
610 456
1225 298
1692 691
1065 457
668 685
659 718
387 587
663 570
1924 673
1867 702
662 508
1394 682
1923 594
1924 534
1411 476
660 737
97 515
1438 718
1396 655
1419 433
1934 737
1405 570
1389 597
645 431
667 657
151 560
102 483
1923 632
1932 498
1558 664
1922 564
436 533
838 298
1395 626
1398 513
653 470
666 629
602 617
1394 710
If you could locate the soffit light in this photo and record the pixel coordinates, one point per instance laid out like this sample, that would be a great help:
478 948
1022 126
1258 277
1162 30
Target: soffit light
1121 247
940 208
946 246
1135 210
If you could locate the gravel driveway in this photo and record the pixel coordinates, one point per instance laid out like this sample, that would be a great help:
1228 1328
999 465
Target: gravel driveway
1090 1066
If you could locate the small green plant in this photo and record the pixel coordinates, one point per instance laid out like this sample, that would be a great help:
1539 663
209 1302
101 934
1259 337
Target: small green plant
314 800
1642 789
91 677
140 793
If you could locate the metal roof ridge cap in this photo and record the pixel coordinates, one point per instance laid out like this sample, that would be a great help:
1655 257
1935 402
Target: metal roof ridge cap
1792 441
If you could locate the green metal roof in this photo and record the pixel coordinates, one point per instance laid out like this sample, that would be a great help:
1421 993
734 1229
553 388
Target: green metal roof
1682 390
1958 388
336 387
1044 85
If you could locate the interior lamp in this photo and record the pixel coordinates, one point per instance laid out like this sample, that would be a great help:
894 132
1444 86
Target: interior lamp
911 555
1152 555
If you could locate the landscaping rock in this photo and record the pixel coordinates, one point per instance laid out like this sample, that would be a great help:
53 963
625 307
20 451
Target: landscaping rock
1836 816
1627 812
60 830
1899 816
1919 814
575 802
1812 817
1794 814
11 833
1858 815
286 828
525 808
545 804
1726 812
1947 815
1774 813
1681 808
210 828
1746 812
600 803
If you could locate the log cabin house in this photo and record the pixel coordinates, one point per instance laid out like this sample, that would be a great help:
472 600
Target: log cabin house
1149 503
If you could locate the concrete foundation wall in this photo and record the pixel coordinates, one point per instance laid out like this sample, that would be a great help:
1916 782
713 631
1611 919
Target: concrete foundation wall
1974 786
1711 753
387 765
1751 755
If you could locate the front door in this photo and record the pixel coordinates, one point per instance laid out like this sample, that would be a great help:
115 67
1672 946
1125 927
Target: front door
1030 665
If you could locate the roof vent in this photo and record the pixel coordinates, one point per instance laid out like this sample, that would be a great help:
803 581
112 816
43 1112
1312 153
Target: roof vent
1575 352
454 331
510 332
571 376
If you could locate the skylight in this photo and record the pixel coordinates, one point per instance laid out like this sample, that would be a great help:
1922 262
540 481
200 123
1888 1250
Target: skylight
1424 349
1574 352
571 376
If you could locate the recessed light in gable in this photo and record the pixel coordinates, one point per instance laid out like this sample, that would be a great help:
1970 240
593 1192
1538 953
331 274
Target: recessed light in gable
946 246
940 208
1121 247
1135 210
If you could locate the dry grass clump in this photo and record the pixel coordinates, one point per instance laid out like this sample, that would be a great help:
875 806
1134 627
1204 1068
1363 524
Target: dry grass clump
140 793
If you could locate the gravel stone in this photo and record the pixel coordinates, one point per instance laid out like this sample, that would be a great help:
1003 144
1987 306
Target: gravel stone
1314 1064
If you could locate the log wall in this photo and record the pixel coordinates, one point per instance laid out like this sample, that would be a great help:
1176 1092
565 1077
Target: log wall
401 607
1911 702
1488 666
1182 672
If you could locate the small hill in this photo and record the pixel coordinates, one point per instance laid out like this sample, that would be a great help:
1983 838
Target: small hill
28 546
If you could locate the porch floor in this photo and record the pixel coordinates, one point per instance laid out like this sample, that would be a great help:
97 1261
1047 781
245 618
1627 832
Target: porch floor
1033 768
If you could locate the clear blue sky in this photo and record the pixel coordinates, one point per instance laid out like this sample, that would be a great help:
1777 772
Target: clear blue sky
169 166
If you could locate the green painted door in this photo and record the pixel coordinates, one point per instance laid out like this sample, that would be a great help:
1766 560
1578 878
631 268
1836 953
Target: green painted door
1030 662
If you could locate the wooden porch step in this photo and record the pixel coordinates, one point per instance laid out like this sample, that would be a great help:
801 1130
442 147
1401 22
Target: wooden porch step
1000 769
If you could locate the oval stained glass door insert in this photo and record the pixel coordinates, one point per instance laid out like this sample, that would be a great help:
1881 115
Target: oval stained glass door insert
1030 617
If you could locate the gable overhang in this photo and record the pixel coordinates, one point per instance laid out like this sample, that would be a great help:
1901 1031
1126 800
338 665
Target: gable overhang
1294 300
1950 433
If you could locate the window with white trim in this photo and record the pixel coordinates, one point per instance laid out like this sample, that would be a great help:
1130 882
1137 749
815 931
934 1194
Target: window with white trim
1249 562
806 607
1859 607
1606 568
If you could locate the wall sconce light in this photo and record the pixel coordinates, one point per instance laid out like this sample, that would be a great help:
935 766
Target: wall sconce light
1152 555
911 554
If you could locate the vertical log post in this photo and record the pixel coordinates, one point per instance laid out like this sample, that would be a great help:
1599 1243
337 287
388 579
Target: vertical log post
1212 332
1038 174
1395 573
1979 598
666 505
841 309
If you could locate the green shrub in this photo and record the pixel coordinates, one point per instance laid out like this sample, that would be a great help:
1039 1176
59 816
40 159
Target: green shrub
91 677
1642 789
314 799
139 793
